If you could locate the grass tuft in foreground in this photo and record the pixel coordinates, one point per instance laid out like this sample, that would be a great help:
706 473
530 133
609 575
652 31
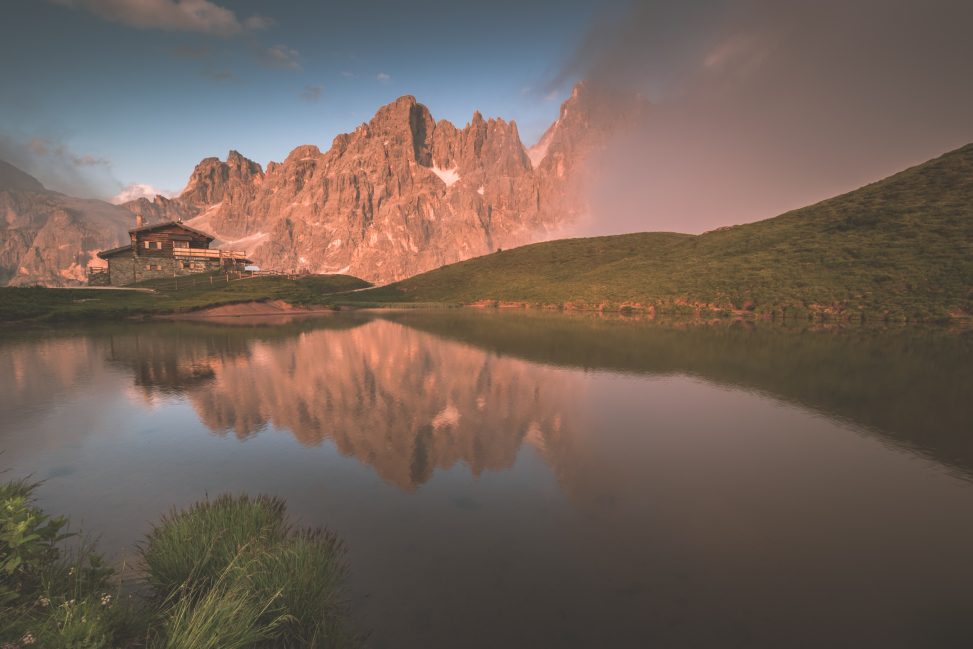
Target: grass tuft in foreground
197 545
305 574
228 573
225 615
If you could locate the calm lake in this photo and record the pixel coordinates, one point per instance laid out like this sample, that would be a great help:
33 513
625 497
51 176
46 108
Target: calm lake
541 480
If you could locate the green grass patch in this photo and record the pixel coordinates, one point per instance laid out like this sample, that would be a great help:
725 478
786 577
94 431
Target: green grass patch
40 304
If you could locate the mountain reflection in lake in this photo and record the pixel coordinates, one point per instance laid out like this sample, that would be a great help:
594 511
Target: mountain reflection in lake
509 479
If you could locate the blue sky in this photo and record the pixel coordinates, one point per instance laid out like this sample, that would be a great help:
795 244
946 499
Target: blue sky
767 104
97 94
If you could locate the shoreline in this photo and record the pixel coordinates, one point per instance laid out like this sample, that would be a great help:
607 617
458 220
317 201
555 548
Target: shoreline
253 308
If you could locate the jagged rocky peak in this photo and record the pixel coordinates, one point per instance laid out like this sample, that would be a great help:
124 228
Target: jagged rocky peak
404 124
235 160
492 144
303 152
213 179
159 209
599 108
562 160
592 114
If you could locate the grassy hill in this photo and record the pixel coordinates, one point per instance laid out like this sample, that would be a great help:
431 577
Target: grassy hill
900 249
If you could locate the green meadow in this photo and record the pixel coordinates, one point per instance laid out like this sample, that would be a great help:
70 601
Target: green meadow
898 249
167 296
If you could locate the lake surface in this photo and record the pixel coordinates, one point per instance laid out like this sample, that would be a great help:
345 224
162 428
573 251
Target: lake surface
541 480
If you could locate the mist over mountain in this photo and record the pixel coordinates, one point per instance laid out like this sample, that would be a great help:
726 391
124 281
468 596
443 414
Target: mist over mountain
13 179
761 106
50 238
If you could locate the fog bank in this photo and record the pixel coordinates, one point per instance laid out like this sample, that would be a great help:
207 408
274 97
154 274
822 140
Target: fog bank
762 106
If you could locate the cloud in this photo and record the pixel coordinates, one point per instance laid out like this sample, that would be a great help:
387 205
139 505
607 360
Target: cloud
202 16
348 74
760 106
58 167
312 93
256 23
280 56
135 191
382 77
43 148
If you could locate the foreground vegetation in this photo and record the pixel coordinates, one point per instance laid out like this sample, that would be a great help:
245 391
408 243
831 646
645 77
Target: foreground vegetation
899 249
167 296
230 573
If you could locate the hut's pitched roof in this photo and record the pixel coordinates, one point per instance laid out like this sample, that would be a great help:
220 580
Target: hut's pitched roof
167 224
105 254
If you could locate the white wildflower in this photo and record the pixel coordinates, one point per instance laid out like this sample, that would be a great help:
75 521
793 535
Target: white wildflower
105 599
28 638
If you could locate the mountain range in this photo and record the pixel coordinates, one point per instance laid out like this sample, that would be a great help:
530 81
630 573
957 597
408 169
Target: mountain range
399 195
49 238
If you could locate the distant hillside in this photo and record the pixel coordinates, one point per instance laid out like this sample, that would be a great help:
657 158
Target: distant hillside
49 238
13 179
899 248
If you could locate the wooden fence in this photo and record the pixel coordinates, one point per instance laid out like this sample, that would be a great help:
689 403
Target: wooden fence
192 281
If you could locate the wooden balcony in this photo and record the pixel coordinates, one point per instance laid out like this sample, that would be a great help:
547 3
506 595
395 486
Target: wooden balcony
190 253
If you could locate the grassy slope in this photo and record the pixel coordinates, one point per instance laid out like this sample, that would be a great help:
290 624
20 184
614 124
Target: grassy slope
49 304
901 248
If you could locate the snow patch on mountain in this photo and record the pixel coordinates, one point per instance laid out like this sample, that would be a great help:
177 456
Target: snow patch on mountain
538 152
245 244
448 176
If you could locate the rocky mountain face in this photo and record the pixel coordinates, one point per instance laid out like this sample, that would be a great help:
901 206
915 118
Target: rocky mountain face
49 238
401 194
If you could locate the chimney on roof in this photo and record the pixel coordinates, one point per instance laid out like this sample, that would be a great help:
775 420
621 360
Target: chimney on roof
138 220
